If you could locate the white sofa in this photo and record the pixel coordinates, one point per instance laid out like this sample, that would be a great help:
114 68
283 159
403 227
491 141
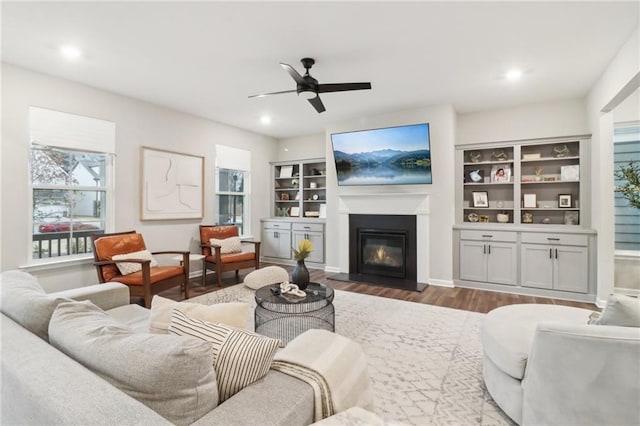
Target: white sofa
545 365
41 385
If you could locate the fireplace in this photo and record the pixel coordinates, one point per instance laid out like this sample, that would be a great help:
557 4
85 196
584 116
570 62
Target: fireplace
383 251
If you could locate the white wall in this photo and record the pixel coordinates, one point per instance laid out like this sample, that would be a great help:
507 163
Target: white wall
441 120
563 118
622 70
301 147
137 123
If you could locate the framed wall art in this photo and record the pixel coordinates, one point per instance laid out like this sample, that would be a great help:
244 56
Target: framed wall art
171 185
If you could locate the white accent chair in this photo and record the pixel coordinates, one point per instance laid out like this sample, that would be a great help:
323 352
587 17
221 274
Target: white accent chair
545 365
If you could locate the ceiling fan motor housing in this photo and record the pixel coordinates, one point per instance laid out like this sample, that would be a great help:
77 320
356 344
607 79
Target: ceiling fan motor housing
309 90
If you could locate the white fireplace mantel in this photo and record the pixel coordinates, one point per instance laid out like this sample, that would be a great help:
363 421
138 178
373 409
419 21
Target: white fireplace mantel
399 203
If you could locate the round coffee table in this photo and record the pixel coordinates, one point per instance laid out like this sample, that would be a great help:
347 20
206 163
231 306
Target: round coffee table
284 316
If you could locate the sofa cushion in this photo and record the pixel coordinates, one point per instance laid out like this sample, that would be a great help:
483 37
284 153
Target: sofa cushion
127 268
171 375
232 313
240 357
133 316
620 310
508 331
227 245
266 276
24 301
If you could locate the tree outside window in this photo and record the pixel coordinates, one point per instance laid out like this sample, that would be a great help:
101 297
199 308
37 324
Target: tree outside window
231 198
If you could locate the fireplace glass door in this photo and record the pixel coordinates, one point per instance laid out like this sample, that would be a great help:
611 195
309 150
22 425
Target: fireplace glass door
382 252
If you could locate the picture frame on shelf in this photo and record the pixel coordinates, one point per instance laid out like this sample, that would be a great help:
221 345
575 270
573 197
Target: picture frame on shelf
500 173
564 201
286 171
529 201
284 196
572 218
475 176
480 199
570 173
294 211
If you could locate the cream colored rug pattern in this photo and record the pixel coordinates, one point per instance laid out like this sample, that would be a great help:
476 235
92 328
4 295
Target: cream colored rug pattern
425 362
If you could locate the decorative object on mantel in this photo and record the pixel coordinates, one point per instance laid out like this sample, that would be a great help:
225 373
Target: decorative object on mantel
300 274
560 151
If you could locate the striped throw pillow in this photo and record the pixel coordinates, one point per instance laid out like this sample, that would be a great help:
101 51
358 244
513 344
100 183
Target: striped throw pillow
239 357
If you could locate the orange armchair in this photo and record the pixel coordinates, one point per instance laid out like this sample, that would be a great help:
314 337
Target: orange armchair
220 262
146 282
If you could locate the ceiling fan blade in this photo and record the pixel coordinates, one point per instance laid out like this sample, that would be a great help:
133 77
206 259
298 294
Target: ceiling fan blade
342 87
317 104
272 93
294 74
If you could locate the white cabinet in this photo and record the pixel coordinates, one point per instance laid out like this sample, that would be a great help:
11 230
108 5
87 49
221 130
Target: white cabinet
280 235
276 240
313 232
555 262
488 257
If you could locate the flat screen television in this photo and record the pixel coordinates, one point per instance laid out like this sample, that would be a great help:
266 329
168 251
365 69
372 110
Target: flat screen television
388 156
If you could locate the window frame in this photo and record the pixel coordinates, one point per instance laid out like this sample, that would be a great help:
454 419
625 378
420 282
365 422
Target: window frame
622 135
245 230
109 209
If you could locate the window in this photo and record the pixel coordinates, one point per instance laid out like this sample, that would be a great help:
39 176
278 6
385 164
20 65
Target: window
233 187
626 149
71 165
69 200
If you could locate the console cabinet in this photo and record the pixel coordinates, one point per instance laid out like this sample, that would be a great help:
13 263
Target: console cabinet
488 257
558 262
279 235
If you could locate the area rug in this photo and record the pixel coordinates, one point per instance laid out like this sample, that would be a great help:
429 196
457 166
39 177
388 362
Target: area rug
425 362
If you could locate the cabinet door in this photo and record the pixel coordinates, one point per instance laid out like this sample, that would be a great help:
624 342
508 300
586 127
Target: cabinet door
501 263
275 243
571 269
317 240
473 264
537 265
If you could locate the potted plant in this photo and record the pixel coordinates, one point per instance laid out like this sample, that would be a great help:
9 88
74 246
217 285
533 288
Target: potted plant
300 274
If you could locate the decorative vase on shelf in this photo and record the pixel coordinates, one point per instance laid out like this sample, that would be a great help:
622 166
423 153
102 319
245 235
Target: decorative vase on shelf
300 275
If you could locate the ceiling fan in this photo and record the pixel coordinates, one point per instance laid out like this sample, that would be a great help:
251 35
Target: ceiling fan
309 88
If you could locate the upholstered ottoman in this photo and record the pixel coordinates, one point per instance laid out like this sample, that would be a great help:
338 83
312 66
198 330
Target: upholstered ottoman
266 276
507 340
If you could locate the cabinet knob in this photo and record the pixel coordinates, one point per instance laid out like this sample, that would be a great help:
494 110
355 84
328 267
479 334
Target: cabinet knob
487 236
553 239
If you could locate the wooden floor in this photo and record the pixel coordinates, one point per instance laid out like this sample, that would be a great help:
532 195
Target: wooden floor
457 298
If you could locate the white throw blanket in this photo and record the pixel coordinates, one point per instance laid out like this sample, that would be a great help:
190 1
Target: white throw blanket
334 366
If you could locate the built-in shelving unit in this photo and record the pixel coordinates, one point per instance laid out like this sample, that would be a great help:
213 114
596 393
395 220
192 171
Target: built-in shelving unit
521 225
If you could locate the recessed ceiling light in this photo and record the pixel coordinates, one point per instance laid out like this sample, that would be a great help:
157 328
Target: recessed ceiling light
513 75
265 119
70 52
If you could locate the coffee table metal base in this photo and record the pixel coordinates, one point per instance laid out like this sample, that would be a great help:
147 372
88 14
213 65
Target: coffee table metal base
278 318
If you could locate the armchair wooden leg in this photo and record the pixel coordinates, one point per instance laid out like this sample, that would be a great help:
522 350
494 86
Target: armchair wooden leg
219 274
204 272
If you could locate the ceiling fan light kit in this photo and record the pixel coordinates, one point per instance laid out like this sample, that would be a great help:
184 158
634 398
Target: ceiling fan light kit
308 87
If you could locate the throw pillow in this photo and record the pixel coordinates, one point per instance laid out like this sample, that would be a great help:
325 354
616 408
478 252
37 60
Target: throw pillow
23 300
233 313
127 268
239 357
266 276
172 375
621 310
227 245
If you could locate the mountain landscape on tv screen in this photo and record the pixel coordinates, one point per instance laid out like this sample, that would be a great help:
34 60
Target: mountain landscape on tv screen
386 166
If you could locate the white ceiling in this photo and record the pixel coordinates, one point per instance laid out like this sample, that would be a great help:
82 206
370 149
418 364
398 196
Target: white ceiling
206 58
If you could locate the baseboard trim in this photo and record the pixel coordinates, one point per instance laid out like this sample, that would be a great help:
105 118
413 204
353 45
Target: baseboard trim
441 283
628 291
332 269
